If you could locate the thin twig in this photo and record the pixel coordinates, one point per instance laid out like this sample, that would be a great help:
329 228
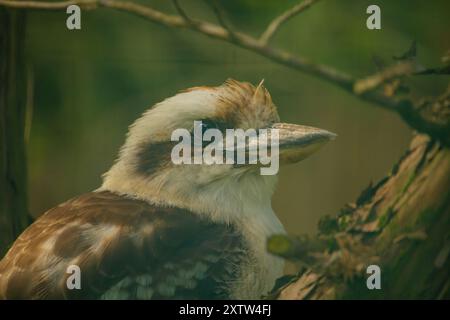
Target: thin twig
181 11
445 70
285 16
374 81
218 11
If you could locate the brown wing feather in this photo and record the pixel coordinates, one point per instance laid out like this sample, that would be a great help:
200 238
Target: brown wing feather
125 248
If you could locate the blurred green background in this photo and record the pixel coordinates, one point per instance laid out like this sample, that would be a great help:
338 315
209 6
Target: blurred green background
89 85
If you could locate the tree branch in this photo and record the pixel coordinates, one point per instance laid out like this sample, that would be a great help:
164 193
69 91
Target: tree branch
243 40
273 27
404 108
47 5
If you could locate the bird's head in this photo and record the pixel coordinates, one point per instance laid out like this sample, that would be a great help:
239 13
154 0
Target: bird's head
145 167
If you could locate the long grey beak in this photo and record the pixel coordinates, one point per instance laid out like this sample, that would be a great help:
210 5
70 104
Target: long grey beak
295 142
298 142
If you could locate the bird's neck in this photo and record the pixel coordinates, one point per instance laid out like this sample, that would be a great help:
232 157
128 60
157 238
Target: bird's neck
231 199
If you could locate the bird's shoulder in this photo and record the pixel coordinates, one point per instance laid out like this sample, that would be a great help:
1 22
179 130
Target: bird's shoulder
124 248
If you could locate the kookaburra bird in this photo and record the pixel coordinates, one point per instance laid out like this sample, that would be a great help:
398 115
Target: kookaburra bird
156 230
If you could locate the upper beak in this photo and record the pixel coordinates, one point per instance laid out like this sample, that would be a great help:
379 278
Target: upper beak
294 142
298 142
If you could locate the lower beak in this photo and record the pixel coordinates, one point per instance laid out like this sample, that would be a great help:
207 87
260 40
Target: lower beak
298 142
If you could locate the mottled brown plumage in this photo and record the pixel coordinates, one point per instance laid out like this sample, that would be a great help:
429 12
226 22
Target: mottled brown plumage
112 239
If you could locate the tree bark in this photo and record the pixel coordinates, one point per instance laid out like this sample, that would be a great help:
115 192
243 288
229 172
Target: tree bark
13 200
402 224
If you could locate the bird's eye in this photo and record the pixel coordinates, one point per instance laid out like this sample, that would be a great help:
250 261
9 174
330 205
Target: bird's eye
208 124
